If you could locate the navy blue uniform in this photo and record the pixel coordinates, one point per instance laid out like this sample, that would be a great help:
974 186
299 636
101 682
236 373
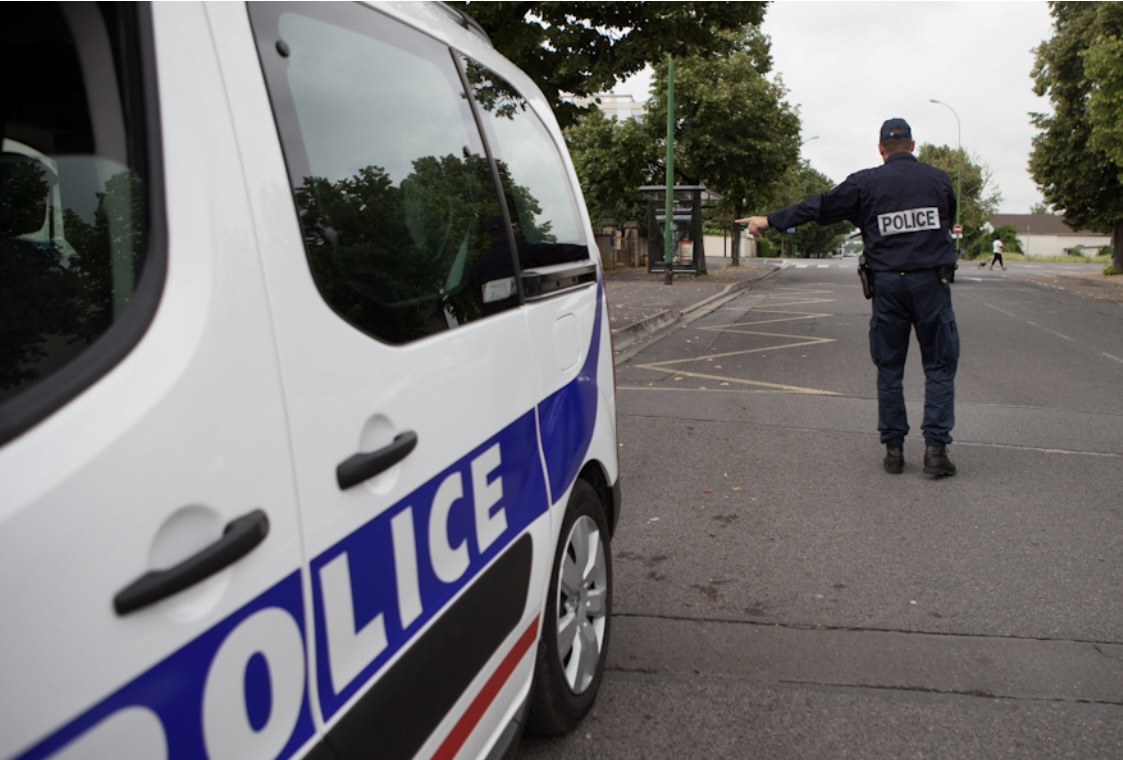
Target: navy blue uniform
904 210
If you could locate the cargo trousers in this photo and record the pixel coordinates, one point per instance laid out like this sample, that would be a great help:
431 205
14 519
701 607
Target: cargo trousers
902 302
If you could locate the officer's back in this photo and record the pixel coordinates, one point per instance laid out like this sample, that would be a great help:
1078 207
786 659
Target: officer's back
906 208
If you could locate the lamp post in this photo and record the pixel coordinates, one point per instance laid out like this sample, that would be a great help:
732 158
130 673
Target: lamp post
669 199
959 160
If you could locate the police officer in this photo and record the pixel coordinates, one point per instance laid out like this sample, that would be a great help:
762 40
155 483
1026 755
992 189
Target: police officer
904 210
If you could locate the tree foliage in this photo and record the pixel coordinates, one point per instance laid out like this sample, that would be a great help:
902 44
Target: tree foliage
1077 159
1008 234
613 159
801 181
584 48
734 133
978 198
1103 64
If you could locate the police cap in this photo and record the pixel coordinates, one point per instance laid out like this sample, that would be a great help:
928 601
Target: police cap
895 129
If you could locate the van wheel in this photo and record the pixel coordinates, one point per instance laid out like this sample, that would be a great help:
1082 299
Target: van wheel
574 643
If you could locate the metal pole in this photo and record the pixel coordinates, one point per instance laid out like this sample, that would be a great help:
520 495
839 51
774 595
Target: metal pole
959 161
669 204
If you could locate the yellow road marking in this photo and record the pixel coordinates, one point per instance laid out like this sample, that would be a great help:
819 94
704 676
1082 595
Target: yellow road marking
667 367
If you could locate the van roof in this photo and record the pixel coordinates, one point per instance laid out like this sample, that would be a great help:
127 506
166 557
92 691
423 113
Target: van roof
464 20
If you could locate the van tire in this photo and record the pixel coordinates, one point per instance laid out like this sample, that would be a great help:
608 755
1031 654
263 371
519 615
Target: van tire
564 688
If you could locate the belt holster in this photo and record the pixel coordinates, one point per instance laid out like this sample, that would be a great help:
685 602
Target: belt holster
946 274
865 274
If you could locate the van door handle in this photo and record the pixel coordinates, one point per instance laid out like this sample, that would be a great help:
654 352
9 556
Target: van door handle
240 538
359 467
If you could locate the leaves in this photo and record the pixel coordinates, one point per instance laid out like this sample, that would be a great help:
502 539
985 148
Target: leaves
736 133
613 160
584 48
1103 65
1077 159
801 181
979 199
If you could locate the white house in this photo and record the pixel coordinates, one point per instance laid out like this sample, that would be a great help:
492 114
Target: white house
1048 235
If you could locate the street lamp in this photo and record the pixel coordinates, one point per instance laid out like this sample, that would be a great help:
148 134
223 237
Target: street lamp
959 160
809 139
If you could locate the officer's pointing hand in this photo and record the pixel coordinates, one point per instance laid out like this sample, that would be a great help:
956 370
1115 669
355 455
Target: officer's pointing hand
757 224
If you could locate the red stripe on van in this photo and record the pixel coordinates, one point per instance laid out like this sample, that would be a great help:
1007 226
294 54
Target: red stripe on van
463 728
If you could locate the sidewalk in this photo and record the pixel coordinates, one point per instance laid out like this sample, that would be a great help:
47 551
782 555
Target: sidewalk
1090 284
640 304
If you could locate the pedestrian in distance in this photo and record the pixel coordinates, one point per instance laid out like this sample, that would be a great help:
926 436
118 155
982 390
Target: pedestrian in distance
999 249
904 210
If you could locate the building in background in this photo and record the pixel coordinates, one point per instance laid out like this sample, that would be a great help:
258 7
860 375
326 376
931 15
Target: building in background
1048 235
614 105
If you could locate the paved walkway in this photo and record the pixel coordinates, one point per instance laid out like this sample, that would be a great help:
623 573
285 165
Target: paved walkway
1090 284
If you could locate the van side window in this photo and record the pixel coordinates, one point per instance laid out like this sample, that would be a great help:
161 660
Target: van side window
535 182
392 185
73 211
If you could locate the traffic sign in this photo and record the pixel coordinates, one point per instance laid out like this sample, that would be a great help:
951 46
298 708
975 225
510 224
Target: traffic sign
957 230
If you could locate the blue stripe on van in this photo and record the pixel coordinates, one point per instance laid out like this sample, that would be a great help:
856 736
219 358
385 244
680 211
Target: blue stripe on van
174 691
371 555
256 658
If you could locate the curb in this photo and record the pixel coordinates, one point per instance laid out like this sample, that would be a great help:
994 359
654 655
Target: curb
624 337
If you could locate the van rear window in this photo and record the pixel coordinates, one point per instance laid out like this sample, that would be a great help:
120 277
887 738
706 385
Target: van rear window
399 204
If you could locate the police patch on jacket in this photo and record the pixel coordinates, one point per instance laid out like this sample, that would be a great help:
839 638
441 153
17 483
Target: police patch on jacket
911 220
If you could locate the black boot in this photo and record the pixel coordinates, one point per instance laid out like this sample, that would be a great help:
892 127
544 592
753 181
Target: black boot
936 461
894 458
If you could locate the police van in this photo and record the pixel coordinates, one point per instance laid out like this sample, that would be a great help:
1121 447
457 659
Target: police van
307 415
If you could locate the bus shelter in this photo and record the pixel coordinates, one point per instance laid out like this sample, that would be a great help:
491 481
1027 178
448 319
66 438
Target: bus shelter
688 254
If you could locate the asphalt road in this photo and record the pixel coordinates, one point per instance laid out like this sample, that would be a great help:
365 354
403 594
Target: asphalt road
778 595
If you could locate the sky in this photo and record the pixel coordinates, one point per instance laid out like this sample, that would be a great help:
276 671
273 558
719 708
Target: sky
848 66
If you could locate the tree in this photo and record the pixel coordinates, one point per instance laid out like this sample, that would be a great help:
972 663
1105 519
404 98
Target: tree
977 200
613 159
1105 101
583 48
1008 234
1077 159
735 132
801 181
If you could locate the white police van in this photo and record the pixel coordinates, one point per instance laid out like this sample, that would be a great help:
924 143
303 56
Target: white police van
307 418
